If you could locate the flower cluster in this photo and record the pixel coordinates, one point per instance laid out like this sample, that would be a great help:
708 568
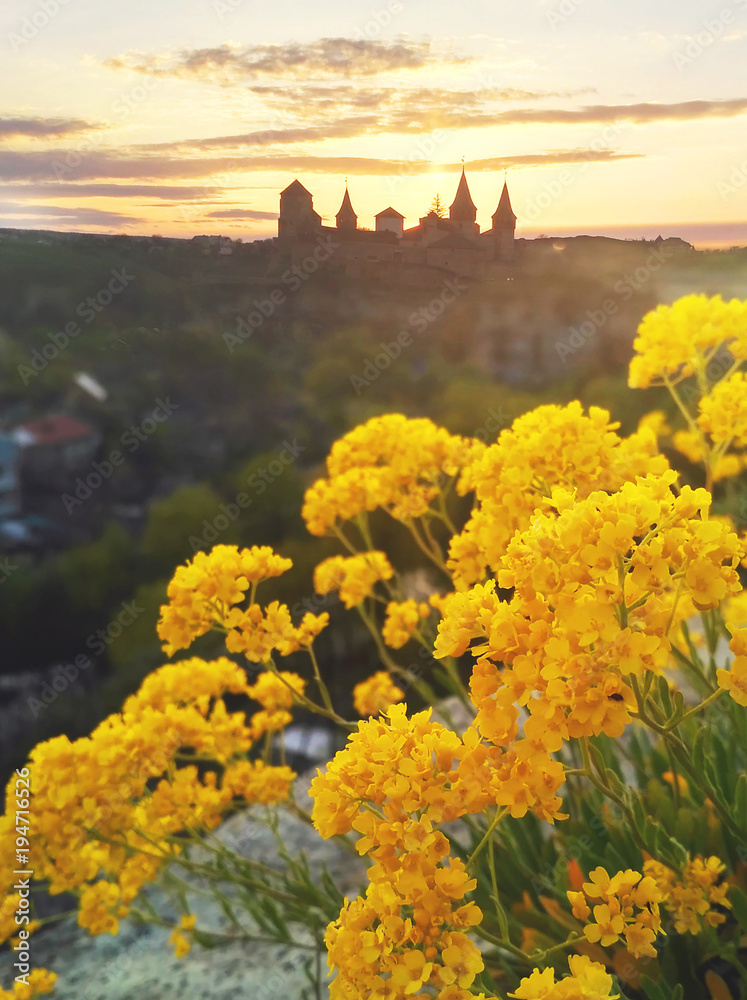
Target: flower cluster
597 587
354 577
107 807
723 412
182 941
393 783
376 694
693 898
207 594
588 981
624 906
202 592
734 680
39 981
390 462
402 621
678 340
275 694
513 479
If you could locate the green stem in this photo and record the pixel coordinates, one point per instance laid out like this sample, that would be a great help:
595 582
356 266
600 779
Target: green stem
488 834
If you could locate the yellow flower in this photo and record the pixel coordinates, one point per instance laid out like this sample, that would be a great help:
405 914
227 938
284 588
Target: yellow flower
39 981
676 341
391 462
551 447
354 576
183 943
723 412
691 898
588 980
627 907
402 620
376 694
202 592
734 680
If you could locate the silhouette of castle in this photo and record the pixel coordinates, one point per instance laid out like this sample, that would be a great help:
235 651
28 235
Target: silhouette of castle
453 244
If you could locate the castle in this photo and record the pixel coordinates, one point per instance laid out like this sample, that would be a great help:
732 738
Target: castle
452 244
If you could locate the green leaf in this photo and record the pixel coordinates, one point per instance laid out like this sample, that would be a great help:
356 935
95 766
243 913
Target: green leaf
502 918
679 707
738 901
665 698
740 802
700 748
652 991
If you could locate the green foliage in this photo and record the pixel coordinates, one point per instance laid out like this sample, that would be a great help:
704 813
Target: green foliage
172 522
94 575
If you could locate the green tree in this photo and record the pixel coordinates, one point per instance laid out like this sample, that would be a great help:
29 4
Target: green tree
177 527
95 575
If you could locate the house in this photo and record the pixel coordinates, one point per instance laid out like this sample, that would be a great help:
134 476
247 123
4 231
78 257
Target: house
55 448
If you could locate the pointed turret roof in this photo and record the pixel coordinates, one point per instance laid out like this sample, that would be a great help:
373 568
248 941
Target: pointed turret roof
463 209
504 214
346 214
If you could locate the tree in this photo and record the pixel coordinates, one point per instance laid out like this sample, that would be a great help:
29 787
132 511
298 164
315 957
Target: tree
438 207
191 518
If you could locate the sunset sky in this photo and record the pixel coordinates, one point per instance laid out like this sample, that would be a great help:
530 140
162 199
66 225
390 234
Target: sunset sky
182 117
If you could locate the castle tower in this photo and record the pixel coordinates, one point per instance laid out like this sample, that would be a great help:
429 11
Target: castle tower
346 217
504 227
297 220
463 211
390 221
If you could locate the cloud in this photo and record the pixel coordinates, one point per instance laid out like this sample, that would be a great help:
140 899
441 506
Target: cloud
41 166
171 192
544 159
42 128
415 111
72 216
345 129
638 113
334 57
330 97
240 213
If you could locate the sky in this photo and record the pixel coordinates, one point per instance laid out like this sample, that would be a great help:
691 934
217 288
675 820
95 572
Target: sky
186 117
